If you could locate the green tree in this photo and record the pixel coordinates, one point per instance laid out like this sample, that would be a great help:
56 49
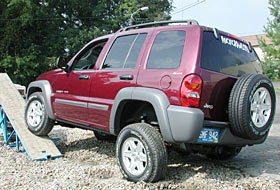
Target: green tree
104 17
34 32
272 51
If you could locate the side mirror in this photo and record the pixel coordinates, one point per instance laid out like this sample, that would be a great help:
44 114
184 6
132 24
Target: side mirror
60 63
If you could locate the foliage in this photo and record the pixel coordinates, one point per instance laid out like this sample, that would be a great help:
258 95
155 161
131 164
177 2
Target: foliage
24 69
272 51
277 89
34 32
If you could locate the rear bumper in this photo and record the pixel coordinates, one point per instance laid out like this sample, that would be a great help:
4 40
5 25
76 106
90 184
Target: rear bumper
186 124
226 136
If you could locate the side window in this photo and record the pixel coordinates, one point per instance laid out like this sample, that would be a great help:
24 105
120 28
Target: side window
124 52
134 53
167 50
89 58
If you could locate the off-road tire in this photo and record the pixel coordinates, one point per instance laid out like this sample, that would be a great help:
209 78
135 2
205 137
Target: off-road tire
240 102
224 153
104 137
155 152
46 124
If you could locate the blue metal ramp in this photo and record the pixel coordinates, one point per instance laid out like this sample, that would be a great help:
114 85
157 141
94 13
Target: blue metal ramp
12 111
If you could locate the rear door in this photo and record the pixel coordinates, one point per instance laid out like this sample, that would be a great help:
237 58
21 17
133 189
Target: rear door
163 58
119 70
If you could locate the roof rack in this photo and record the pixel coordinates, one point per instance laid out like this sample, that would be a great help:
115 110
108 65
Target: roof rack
190 22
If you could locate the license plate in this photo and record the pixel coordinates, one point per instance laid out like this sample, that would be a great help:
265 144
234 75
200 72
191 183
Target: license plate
209 135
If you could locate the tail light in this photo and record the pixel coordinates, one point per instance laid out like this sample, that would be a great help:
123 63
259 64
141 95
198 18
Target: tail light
191 91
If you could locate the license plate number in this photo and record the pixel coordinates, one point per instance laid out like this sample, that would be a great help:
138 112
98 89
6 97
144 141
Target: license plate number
209 135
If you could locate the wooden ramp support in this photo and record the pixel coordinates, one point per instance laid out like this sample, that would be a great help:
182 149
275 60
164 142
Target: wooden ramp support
12 108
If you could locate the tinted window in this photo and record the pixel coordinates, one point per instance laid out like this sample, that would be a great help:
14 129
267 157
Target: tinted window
124 52
134 53
167 50
118 52
228 56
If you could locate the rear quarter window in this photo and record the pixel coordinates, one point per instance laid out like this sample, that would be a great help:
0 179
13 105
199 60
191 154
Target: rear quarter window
228 56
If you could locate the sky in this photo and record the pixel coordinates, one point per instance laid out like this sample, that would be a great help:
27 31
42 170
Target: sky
238 17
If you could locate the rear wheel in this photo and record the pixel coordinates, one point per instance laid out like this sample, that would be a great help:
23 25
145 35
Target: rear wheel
252 106
141 153
36 117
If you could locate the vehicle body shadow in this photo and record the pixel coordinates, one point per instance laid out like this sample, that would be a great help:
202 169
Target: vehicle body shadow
182 168
258 160
69 142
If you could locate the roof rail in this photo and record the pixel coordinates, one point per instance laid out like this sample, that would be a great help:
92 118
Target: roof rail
190 22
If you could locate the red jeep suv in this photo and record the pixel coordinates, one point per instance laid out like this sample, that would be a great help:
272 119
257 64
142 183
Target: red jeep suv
194 87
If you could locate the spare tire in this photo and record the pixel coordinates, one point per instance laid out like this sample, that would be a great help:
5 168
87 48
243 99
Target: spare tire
251 106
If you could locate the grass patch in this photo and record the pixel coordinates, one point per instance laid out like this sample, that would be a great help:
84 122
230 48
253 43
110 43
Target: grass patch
277 89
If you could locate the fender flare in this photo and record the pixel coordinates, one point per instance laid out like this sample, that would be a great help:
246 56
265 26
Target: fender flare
46 89
157 98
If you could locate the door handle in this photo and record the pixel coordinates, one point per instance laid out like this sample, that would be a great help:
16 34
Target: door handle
126 77
83 77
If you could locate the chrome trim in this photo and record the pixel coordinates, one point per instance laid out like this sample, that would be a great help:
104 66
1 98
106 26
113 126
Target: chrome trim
98 106
71 102
82 104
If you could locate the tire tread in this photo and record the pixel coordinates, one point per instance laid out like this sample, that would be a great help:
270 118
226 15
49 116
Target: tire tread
158 150
239 105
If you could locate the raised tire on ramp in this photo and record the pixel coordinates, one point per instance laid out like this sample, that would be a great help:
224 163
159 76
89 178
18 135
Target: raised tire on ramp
36 117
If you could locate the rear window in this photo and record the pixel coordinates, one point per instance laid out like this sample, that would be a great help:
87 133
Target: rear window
228 56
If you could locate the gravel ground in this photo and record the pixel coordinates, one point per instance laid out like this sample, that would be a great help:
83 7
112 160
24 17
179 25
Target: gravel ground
90 164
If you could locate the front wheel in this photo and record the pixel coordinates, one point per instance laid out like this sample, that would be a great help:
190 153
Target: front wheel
36 117
141 153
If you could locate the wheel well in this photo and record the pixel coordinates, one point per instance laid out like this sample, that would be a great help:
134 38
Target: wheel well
134 112
32 90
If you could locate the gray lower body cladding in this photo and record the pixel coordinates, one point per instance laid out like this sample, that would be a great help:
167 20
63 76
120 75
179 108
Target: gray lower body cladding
185 123
177 124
